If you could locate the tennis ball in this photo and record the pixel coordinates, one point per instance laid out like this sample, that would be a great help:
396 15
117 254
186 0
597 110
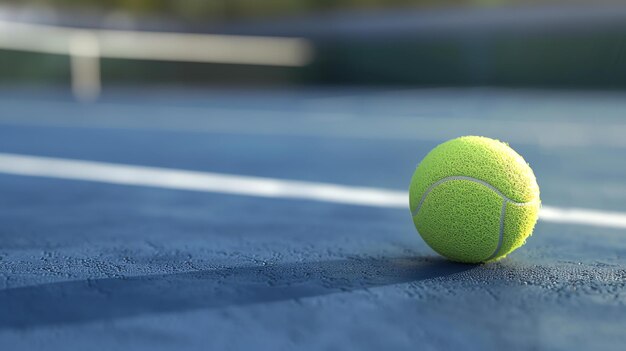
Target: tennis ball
474 199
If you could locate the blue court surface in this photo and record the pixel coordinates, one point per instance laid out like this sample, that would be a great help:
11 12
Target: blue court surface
98 264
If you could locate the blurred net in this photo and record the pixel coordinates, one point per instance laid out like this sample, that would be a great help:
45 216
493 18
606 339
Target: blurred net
86 47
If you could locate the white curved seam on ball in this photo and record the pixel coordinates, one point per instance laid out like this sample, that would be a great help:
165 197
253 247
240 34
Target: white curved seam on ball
501 235
475 180
505 200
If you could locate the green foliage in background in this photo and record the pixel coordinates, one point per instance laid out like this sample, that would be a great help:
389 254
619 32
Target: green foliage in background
236 9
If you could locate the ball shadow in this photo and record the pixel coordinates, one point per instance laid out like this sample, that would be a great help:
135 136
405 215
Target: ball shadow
112 298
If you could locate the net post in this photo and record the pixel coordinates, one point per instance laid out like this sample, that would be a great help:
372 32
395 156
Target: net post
84 53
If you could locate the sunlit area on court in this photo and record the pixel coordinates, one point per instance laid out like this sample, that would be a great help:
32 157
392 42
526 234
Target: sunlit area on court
312 175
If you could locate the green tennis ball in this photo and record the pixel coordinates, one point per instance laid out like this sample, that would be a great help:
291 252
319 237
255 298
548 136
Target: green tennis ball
474 199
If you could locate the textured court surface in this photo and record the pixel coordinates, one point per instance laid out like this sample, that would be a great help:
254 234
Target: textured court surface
99 266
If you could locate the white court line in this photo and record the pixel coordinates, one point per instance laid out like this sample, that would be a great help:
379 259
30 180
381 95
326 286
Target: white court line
254 186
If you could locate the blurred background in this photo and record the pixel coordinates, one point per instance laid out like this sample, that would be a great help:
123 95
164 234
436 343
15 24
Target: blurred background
92 44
